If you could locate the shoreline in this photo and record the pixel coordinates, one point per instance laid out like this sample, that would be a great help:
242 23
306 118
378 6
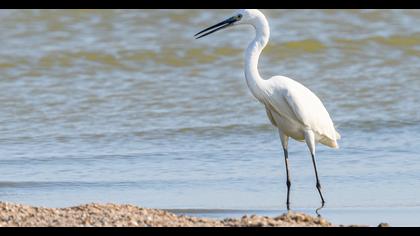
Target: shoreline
126 215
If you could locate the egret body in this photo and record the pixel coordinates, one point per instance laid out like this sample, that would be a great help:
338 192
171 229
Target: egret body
291 107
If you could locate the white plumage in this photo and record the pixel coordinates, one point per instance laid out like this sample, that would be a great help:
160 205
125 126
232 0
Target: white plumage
294 109
291 107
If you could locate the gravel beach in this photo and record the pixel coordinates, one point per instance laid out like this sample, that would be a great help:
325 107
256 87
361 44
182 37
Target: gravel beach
114 215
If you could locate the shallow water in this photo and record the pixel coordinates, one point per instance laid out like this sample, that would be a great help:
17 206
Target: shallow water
126 106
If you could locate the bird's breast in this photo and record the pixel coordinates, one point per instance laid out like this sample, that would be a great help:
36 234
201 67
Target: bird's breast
289 127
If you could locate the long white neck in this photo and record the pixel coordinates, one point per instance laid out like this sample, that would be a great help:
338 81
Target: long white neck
252 54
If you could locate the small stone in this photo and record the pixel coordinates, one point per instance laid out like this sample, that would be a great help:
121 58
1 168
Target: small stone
323 222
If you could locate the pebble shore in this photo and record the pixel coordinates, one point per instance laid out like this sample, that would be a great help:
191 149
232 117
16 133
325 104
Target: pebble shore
115 215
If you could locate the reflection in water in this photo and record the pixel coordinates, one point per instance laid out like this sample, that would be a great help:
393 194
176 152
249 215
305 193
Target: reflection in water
319 208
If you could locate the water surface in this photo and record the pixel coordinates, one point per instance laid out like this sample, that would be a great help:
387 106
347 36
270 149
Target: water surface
126 106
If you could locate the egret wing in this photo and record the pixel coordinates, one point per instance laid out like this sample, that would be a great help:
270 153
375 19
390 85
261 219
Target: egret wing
270 116
303 106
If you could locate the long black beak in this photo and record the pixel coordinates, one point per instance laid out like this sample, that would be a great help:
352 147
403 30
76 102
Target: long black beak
222 25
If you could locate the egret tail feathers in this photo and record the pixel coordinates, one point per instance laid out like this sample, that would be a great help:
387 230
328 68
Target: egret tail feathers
337 135
329 141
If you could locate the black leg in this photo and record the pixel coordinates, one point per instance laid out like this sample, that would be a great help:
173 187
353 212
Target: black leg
318 209
318 185
288 183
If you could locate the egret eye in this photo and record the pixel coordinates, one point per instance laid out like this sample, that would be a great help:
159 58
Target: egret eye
239 16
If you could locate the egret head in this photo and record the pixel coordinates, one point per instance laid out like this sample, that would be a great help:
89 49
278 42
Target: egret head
242 16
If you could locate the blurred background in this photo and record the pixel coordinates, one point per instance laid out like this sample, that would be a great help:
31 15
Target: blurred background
125 106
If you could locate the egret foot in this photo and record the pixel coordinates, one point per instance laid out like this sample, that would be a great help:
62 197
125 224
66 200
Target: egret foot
319 208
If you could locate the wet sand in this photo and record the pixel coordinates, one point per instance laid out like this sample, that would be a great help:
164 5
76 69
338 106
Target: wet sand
115 215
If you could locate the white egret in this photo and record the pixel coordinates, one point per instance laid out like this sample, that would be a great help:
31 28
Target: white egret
291 107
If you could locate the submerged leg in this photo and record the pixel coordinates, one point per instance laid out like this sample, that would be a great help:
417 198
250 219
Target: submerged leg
284 142
310 141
